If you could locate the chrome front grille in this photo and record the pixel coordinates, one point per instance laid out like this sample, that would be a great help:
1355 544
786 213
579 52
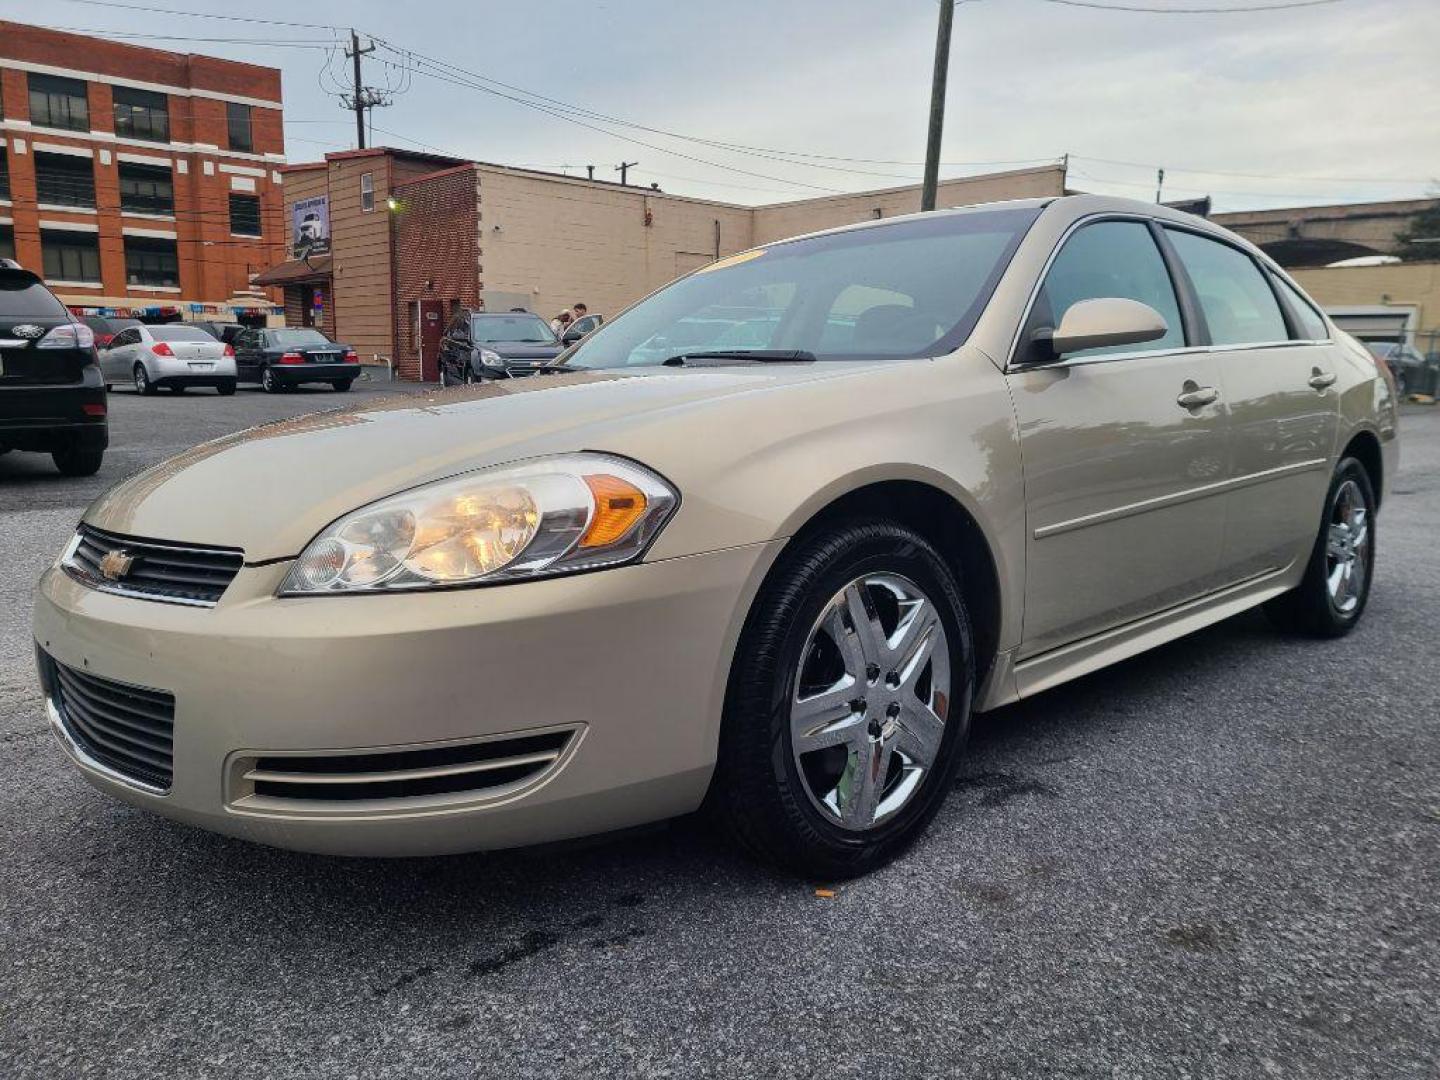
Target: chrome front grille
151 569
392 779
127 730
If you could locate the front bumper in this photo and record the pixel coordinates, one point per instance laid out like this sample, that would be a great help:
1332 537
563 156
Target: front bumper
633 659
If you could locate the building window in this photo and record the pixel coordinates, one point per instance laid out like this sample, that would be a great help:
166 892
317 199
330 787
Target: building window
4 174
70 256
245 215
151 262
146 189
237 122
7 242
64 180
141 114
367 192
58 103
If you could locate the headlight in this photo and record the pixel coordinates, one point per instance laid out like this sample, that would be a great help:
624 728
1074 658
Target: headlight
550 516
491 358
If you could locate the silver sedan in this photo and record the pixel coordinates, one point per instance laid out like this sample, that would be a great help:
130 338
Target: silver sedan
174 356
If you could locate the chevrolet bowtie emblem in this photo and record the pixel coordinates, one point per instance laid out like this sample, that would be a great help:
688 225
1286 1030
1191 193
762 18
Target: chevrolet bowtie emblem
116 564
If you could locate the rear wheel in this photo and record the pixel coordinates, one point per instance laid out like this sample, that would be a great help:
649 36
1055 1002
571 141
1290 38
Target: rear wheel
225 389
268 382
342 384
76 462
1331 597
143 385
848 703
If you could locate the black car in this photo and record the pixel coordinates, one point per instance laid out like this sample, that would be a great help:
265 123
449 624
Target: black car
52 398
106 327
480 345
227 332
284 357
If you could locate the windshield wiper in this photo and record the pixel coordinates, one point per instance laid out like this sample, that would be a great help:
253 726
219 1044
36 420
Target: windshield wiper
758 356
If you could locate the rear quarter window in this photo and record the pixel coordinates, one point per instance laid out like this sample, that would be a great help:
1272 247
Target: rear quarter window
21 296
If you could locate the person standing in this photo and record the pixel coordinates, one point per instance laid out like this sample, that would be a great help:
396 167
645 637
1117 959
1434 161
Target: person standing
560 322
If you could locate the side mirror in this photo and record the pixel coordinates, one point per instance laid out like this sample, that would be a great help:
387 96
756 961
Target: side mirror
1105 321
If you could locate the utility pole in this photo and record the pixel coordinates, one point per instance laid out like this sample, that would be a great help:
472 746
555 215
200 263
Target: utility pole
360 100
1159 183
589 172
624 170
937 105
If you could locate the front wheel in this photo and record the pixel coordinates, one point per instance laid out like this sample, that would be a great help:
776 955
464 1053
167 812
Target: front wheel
848 703
1331 597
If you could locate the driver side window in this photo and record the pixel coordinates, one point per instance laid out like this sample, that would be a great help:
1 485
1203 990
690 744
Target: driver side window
1110 259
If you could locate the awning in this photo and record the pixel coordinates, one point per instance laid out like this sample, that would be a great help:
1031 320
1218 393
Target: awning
296 272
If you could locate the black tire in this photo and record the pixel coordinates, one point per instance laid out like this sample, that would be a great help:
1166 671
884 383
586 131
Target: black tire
758 796
269 383
143 384
342 384
178 389
225 389
470 379
76 462
1309 608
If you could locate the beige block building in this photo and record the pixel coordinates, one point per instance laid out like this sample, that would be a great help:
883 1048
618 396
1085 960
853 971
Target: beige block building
411 237
1399 302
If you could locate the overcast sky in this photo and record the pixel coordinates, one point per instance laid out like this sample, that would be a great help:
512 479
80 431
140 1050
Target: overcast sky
1329 104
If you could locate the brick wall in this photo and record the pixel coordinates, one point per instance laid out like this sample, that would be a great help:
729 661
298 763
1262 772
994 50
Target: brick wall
437 253
213 263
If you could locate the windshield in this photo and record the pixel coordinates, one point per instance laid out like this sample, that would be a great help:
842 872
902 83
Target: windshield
494 329
179 333
287 338
906 290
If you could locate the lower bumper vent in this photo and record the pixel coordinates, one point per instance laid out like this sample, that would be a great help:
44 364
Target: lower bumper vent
493 767
127 730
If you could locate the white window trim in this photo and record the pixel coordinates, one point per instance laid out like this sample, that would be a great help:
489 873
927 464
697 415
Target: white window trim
137 84
75 284
243 170
144 159
57 208
58 148
158 234
147 217
367 176
153 288
142 144
69 226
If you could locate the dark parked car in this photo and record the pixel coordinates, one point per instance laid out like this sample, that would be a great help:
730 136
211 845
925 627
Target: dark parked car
483 345
220 331
52 398
105 327
282 358
1411 370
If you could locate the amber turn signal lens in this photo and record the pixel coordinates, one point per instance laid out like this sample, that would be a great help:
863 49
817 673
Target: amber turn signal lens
618 506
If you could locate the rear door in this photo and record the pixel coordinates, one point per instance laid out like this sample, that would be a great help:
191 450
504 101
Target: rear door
115 361
247 354
1122 449
1277 365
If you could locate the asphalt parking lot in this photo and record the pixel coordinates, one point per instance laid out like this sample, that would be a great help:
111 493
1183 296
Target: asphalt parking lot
1221 859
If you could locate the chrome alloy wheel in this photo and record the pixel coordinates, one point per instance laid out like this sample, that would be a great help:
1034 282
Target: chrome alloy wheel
1347 547
871 697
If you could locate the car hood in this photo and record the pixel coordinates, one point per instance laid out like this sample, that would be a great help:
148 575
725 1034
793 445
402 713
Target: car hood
270 489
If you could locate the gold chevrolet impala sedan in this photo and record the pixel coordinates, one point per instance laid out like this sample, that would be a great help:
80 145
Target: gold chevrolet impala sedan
759 546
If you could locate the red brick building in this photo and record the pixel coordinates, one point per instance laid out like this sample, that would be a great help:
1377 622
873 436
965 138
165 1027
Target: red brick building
136 179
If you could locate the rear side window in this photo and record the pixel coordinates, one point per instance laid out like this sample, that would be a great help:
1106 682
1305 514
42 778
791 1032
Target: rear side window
1309 325
1238 304
21 296
1111 258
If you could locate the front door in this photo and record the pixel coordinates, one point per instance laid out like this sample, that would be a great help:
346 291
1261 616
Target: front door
431 316
1121 447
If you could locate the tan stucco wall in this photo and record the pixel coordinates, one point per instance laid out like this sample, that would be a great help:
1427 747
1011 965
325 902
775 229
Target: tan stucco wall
1415 283
781 220
558 241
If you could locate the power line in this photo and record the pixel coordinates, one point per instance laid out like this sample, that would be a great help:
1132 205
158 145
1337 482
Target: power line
1248 9
203 15
280 43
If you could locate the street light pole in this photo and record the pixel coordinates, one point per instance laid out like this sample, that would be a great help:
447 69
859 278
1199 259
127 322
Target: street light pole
937 105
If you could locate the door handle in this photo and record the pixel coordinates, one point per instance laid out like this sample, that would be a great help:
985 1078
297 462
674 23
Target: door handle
1193 396
1319 380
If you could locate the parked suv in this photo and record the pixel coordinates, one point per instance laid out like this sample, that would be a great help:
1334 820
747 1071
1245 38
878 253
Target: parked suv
484 345
52 398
